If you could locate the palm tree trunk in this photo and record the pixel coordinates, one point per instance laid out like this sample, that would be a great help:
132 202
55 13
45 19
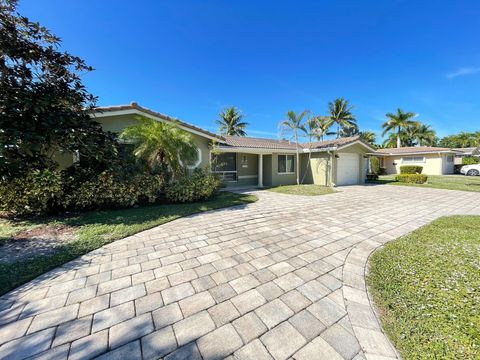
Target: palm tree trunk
399 144
338 131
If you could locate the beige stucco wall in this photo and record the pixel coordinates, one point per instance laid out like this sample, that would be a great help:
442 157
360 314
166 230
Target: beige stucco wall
267 170
282 179
317 172
435 164
247 171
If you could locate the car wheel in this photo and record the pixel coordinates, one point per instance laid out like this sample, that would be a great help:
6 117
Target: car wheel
473 172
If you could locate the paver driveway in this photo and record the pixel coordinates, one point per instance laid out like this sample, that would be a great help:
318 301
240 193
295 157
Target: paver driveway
281 278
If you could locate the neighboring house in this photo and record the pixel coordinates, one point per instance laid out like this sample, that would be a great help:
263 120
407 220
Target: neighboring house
246 161
435 160
464 152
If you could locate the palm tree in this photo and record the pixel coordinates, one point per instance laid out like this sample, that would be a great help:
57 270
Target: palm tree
391 140
369 137
294 125
422 134
319 126
231 123
399 121
160 143
341 114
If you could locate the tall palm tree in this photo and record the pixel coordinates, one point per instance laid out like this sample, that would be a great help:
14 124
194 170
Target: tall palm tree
369 137
319 126
341 114
391 140
399 122
160 143
422 135
294 125
231 123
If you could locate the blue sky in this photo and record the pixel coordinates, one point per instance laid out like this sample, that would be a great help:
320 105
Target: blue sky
189 59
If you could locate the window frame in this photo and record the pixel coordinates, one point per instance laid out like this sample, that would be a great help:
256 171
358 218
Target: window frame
423 161
225 174
286 172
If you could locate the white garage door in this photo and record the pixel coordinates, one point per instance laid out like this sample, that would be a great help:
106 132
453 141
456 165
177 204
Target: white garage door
348 169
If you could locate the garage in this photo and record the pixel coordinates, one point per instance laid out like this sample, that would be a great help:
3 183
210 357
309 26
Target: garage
348 169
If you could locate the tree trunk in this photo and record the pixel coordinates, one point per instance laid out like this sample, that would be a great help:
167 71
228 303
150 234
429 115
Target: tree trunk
338 131
399 144
298 159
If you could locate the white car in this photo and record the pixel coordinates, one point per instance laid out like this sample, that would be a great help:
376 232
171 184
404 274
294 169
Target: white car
471 170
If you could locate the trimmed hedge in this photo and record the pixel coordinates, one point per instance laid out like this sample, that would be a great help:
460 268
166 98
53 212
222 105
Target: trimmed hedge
411 169
412 178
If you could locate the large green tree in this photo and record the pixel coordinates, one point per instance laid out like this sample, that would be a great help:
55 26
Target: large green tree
368 137
295 126
43 104
231 122
461 140
341 114
421 134
398 123
161 144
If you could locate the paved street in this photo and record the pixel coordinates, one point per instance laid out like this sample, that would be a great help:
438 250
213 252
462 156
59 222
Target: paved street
280 278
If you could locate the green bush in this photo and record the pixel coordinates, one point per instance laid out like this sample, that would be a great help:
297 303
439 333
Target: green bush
51 191
382 170
411 169
470 160
412 178
375 164
107 191
200 185
37 193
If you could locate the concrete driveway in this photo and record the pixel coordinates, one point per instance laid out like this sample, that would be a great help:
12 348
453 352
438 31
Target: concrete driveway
280 278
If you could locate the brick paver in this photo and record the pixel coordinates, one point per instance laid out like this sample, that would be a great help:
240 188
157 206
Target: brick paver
281 278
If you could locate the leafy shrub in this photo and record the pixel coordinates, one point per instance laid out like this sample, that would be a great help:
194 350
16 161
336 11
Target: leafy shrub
412 178
411 169
108 191
35 193
382 171
375 164
200 185
470 160
371 177
46 192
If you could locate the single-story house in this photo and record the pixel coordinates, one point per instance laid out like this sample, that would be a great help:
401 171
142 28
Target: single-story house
247 161
465 152
435 160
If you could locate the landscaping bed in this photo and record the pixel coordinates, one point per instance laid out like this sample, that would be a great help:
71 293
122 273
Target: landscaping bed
65 238
426 286
448 182
307 190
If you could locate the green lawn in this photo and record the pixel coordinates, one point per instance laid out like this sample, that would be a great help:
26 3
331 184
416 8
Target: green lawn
309 190
427 287
449 182
96 229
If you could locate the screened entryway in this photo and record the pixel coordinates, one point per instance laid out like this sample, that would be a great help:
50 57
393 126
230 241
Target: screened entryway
225 164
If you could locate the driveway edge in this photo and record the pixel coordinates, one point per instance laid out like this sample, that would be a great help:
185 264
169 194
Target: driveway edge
360 307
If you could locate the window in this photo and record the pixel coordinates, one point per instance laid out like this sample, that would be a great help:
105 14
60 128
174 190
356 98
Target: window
286 164
226 165
224 162
413 159
450 158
